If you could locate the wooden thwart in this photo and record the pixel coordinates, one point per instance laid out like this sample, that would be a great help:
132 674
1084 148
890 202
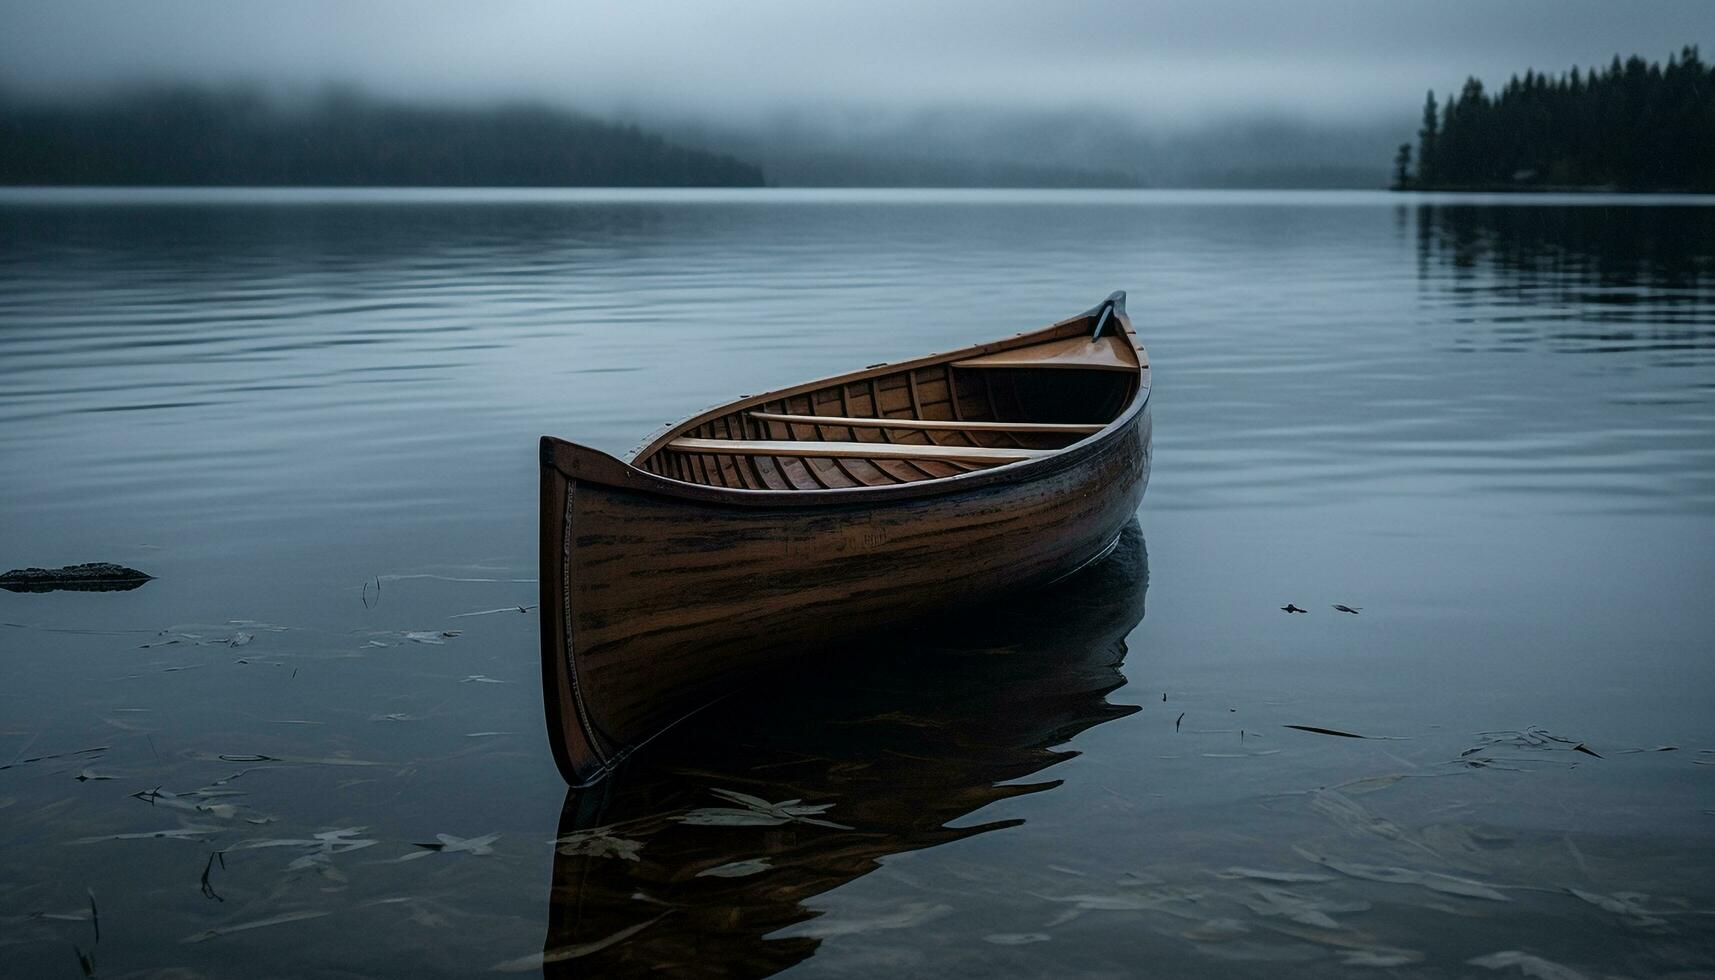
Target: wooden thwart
937 424
854 450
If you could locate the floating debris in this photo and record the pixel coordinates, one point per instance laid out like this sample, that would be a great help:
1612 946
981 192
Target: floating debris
1347 609
758 812
480 679
1290 608
735 869
448 844
196 833
601 842
1323 731
490 612
207 887
89 775
275 920
1015 938
1581 747
55 755
195 802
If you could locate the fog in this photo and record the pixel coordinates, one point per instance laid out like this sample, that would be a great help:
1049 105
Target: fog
1026 82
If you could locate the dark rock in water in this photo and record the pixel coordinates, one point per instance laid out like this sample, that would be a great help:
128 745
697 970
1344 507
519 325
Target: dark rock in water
95 576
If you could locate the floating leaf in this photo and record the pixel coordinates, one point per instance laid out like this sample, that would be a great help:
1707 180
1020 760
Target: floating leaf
758 812
599 842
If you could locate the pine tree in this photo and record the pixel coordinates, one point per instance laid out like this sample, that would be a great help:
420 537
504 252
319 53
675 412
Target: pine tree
1402 167
1426 140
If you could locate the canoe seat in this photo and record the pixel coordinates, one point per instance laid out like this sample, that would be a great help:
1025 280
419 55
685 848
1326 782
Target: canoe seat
1079 353
854 450
950 425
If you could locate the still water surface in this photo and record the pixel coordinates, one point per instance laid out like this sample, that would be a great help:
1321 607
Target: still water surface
1487 422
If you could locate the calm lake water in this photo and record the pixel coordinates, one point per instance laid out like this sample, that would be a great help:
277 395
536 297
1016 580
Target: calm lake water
1487 422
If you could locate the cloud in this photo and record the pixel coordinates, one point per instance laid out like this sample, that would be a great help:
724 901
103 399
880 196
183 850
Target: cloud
750 60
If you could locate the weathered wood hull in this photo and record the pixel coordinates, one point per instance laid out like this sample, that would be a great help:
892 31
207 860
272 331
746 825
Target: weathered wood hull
660 595
944 719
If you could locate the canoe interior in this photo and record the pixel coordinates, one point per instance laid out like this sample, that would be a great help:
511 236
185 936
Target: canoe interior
1021 408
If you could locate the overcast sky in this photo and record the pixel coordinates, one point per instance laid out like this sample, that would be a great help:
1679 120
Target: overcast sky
1157 60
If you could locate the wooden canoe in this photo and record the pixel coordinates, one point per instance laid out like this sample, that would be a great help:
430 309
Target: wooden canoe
779 522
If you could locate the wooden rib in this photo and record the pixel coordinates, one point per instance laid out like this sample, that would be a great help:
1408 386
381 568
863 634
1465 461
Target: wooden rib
858 450
740 461
1069 428
780 470
816 473
797 474
700 466
886 436
953 395
845 409
821 436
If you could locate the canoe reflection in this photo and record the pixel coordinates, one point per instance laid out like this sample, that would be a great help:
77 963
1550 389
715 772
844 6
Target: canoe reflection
713 837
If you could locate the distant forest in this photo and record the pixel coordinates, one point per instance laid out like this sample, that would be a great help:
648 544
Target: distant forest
1635 126
183 136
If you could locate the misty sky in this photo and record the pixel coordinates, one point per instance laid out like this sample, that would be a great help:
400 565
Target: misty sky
1167 60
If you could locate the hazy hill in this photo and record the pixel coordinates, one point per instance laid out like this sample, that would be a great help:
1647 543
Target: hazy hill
183 135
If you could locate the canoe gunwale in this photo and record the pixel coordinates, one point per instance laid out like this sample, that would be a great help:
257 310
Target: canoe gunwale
582 463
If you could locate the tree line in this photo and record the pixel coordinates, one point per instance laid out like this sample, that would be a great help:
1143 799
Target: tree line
1636 125
196 136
